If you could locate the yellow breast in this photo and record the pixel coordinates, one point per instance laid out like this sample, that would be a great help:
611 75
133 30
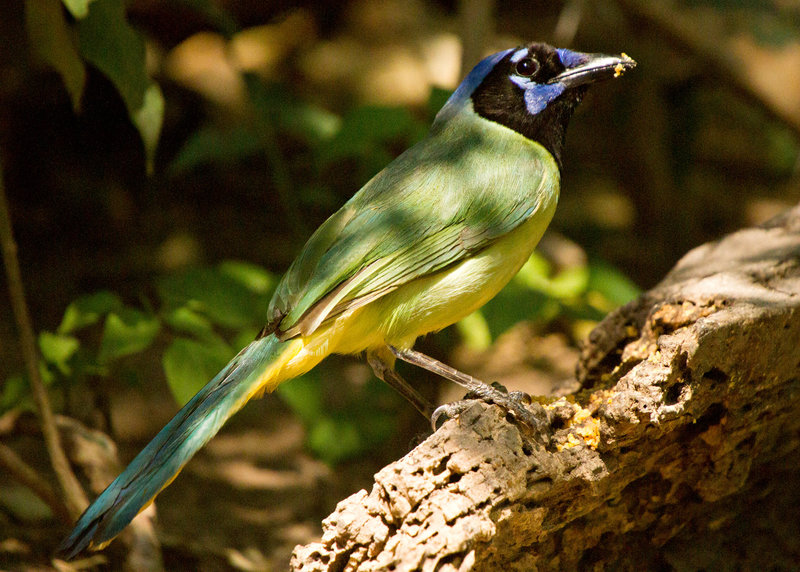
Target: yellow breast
437 301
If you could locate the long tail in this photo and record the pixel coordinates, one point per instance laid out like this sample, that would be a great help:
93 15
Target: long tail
255 369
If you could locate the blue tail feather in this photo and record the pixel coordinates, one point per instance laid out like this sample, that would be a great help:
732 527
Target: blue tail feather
158 463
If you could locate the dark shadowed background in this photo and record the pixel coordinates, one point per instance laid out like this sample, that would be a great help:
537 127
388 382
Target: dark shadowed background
147 266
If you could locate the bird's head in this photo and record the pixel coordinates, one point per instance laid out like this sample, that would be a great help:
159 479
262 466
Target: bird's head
532 89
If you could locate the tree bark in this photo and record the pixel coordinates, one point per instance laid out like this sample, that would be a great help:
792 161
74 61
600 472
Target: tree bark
679 451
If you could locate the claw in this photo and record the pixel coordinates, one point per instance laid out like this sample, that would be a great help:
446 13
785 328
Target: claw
449 411
521 396
513 402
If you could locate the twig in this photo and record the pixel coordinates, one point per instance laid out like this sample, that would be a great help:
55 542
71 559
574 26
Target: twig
26 475
74 496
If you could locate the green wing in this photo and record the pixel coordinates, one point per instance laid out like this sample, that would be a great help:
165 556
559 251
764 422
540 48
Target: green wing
433 206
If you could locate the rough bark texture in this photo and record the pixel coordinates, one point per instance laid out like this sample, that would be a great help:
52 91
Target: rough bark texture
679 452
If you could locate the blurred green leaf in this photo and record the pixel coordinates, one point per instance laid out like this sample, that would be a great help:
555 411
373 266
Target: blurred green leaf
58 349
517 302
277 108
568 283
126 331
109 43
314 123
770 23
611 284
215 145
364 133
245 335
21 504
87 310
267 101
336 434
376 123
149 119
320 196
217 295
771 30
48 377
334 439
475 331
578 293
14 389
436 100
256 278
186 321
220 18
189 365
51 38
534 273
376 427
78 8
303 395
376 423
571 282
781 148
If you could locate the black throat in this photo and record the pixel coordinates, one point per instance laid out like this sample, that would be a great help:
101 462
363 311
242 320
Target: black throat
498 99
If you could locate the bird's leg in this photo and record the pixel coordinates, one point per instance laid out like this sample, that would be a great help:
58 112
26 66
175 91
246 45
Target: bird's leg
512 402
383 366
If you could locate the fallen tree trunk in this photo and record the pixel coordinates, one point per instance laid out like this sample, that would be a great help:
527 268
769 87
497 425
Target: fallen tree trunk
680 450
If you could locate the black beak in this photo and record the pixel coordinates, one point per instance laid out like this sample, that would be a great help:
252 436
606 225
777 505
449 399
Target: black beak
596 67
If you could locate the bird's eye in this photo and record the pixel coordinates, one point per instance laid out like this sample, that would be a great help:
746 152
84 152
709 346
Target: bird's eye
527 67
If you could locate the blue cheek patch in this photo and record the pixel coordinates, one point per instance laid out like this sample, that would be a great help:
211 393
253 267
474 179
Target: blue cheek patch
537 96
571 59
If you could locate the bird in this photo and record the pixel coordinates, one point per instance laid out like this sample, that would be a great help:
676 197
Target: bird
424 243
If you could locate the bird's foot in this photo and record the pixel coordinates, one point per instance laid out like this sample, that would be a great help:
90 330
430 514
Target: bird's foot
513 402
449 411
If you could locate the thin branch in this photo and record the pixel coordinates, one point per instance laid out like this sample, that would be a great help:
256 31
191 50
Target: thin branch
25 474
74 496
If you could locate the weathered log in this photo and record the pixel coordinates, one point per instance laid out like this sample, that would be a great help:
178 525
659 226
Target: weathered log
680 450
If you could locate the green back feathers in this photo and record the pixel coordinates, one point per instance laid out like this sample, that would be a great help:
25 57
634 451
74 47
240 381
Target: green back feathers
468 183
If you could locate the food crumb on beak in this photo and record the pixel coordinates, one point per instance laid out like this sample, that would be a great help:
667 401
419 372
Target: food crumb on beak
619 69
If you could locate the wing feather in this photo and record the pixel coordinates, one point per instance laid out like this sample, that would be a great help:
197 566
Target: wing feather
431 208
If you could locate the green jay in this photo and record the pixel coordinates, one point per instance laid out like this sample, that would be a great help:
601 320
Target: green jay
423 244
